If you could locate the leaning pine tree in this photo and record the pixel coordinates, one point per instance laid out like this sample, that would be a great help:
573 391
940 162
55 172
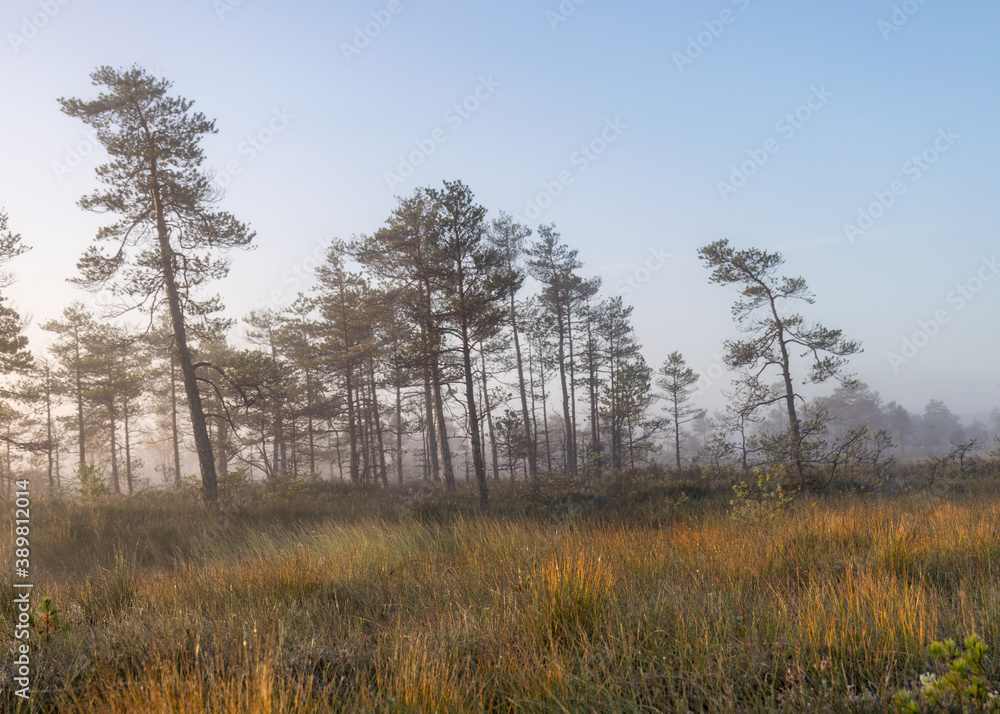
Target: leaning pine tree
165 244
775 334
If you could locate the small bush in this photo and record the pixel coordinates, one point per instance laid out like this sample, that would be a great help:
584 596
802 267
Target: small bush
961 688
759 501
91 483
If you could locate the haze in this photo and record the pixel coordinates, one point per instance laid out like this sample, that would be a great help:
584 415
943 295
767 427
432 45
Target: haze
641 130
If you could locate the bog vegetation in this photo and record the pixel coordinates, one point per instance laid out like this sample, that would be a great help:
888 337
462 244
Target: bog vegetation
436 478
634 593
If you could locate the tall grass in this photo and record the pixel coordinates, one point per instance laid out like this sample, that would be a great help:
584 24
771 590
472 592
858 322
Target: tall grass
410 605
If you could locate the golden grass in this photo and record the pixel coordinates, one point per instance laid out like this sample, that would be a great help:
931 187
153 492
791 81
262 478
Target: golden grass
830 607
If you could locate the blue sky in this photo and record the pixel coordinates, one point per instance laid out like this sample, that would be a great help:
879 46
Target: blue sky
623 119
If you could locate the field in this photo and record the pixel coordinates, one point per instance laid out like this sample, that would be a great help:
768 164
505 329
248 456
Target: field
626 595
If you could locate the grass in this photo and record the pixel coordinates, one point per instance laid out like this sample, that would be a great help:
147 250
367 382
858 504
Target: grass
637 600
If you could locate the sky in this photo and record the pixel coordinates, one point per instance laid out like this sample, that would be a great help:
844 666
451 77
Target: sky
857 138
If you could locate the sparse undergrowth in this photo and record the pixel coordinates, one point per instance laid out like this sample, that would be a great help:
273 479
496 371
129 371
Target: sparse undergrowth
624 595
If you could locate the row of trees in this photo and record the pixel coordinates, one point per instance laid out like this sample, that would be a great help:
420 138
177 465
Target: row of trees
420 350
278 416
280 408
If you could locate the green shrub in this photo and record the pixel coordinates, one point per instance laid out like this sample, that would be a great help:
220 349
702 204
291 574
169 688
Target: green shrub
91 483
759 501
963 687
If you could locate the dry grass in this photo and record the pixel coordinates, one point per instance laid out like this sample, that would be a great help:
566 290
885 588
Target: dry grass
168 608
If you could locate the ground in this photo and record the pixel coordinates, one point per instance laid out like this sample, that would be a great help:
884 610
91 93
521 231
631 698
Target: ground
638 593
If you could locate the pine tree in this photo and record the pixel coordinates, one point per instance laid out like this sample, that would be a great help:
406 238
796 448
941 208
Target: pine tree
14 353
474 284
509 237
68 350
401 256
677 381
163 242
554 264
759 312
339 296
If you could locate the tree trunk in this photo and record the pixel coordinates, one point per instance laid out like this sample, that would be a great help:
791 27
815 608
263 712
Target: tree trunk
399 423
364 422
128 453
613 412
478 463
378 425
793 419
340 460
561 329
449 471
295 456
173 419
532 464
430 438
48 422
432 354
79 399
115 481
426 464
309 411
489 421
482 432
222 432
268 467
631 444
595 432
284 442
545 415
533 441
677 431
572 380
352 429
277 439
203 444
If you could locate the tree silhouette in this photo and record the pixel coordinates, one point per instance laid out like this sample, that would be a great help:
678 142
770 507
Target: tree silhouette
163 242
